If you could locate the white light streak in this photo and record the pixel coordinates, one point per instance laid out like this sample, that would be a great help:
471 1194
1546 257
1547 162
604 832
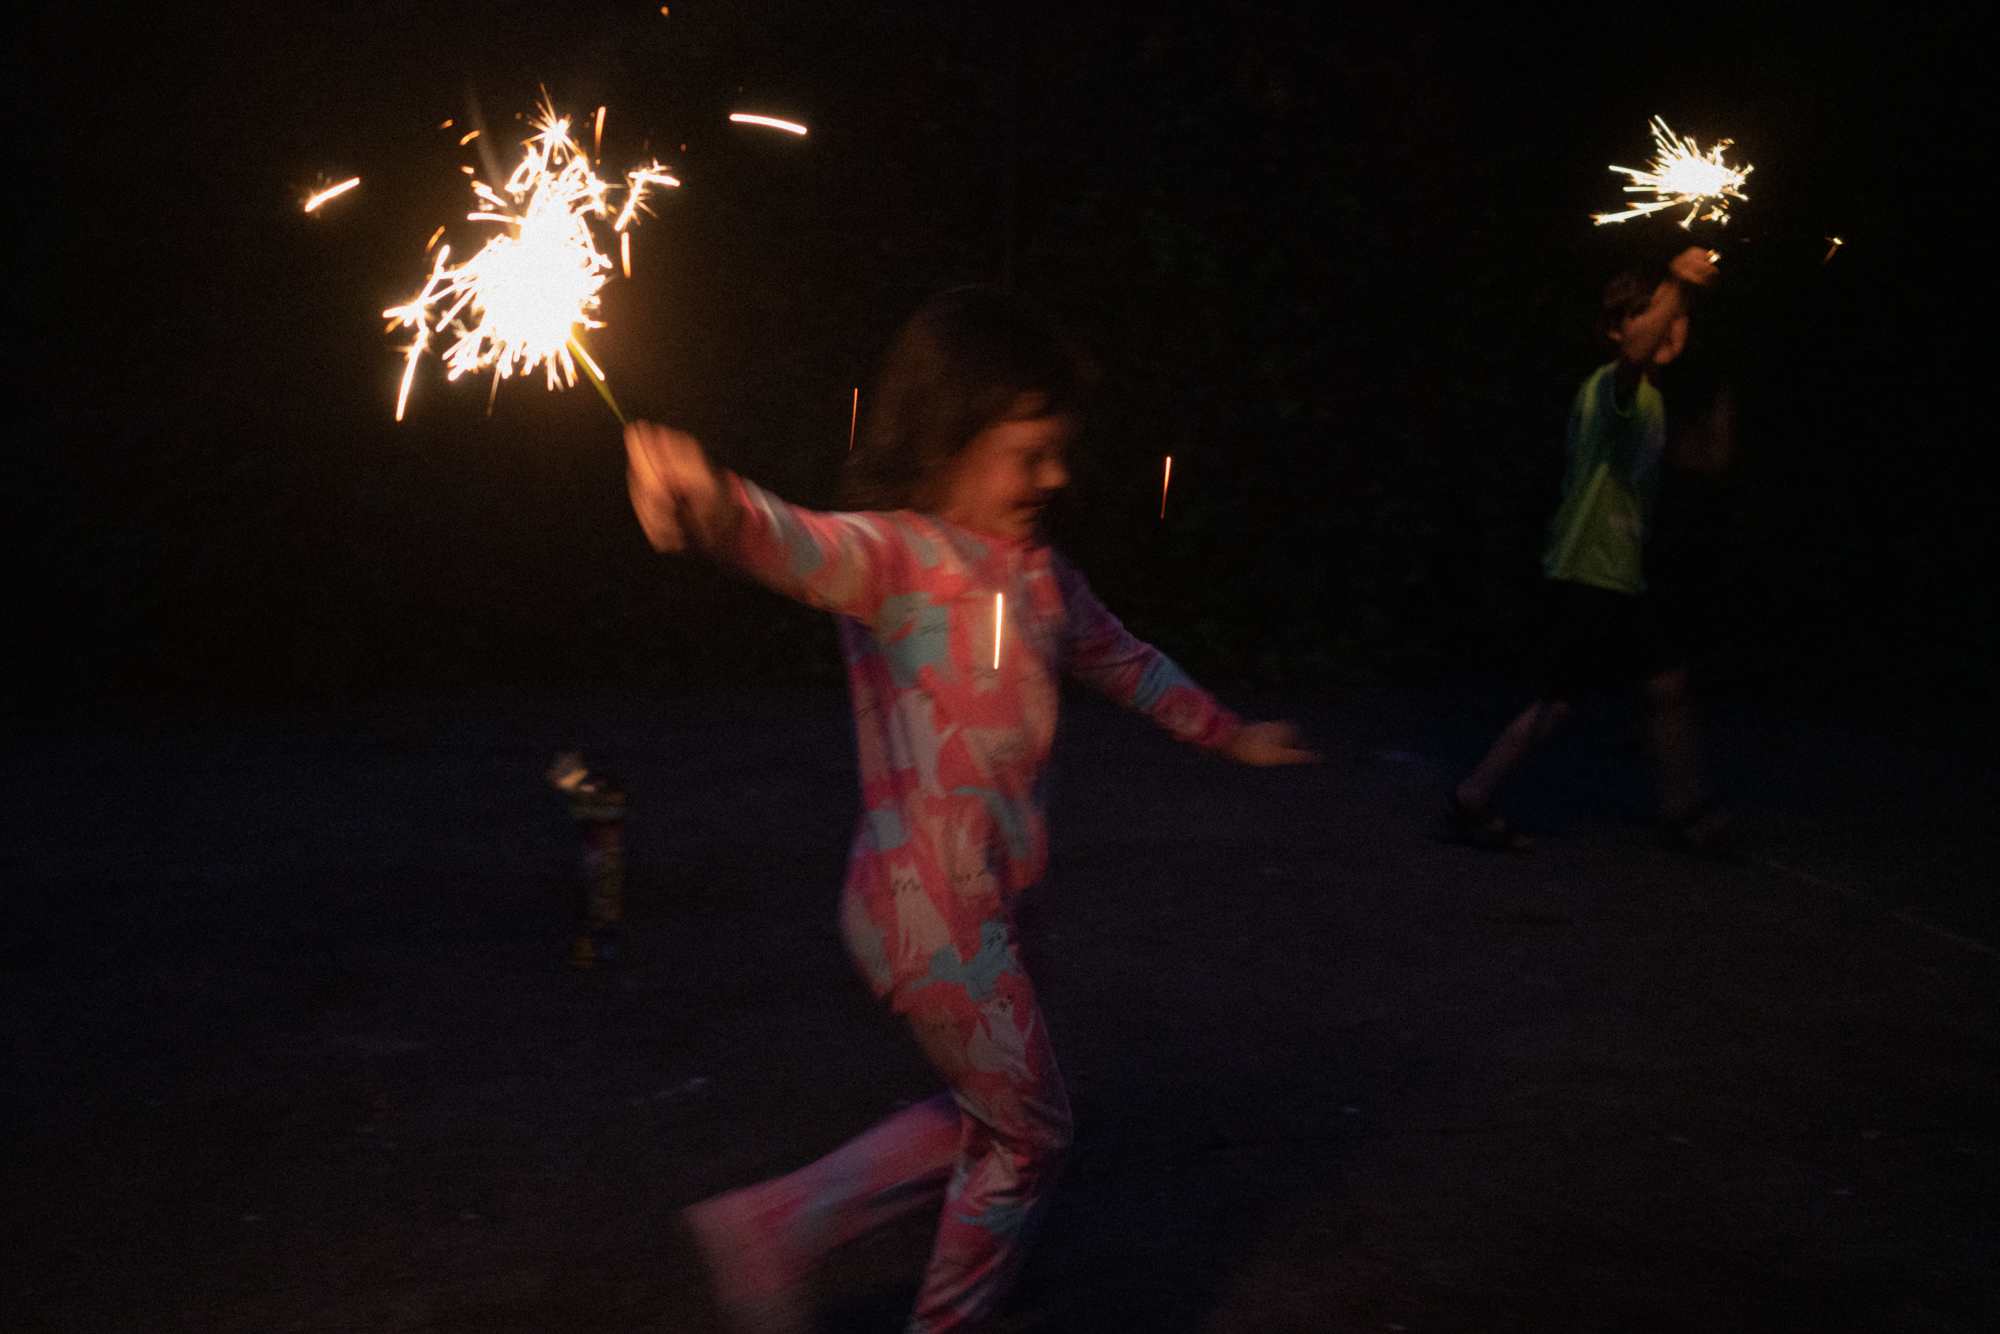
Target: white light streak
325 195
745 118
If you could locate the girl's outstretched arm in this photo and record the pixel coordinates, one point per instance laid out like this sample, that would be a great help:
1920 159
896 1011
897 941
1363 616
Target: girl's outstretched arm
839 562
1105 655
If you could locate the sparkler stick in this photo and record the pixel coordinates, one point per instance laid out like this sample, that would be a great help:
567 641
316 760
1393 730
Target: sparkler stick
325 195
744 118
1681 173
1166 482
523 299
999 613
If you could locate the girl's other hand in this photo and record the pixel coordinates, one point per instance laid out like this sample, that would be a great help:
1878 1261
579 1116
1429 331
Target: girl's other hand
1268 744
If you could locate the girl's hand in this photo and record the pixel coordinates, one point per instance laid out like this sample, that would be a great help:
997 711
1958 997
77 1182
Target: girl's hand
675 493
1268 744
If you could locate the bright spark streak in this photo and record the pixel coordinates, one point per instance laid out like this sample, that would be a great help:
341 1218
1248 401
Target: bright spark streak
853 419
1166 482
428 244
325 195
446 125
744 118
999 615
1836 243
597 144
625 252
469 136
1681 173
521 301
636 182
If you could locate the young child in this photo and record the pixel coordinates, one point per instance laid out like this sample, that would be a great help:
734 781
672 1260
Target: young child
1607 630
956 618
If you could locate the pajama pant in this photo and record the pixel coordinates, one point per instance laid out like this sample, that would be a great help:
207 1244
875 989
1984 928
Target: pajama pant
988 1151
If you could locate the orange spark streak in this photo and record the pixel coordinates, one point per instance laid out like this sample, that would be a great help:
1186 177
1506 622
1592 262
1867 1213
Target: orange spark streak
852 418
744 118
1837 244
597 149
325 195
1166 482
433 241
625 252
446 125
999 614
468 137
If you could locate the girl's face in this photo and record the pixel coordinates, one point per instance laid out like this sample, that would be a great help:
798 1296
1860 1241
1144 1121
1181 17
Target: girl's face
1001 481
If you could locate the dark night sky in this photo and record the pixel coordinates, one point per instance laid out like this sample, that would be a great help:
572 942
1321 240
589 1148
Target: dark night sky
1336 260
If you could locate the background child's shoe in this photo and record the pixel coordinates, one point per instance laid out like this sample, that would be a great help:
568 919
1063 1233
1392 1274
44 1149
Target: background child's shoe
1704 830
1480 827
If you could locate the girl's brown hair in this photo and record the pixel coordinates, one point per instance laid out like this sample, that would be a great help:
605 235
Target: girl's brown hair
963 362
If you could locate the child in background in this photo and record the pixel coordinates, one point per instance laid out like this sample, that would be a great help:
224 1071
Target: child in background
1607 630
956 618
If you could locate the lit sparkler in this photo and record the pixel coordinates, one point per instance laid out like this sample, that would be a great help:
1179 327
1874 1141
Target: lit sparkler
744 118
521 301
1834 243
1681 173
1166 482
330 193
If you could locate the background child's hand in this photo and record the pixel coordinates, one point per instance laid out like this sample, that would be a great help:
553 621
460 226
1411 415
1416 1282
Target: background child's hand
672 486
1694 266
1268 744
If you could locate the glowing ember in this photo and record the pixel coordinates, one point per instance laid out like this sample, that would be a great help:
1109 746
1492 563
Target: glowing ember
521 300
327 194
744 118
999 614
853 417
468 137
1682 174
597 148
1833 243
1166 482
625 252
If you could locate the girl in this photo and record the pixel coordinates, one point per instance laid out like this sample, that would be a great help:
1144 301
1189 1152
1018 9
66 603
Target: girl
956 618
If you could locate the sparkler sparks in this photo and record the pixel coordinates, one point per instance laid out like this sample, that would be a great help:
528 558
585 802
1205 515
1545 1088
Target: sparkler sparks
744 118
1681 173
522 299
999 619
1166 482
330 193
1834 244
853 418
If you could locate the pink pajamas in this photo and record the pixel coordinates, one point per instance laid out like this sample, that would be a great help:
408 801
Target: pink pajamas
953 751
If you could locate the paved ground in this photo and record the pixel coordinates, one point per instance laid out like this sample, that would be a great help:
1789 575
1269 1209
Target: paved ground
290 1045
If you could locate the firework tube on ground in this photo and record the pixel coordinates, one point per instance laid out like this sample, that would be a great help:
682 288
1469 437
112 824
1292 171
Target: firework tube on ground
597 801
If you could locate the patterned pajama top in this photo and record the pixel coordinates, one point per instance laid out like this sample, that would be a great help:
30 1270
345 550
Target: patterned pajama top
953 642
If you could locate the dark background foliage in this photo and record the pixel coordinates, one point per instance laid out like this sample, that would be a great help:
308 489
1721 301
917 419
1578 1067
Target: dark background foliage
1336 260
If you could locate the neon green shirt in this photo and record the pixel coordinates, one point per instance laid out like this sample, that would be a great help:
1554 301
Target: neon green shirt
1598 536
